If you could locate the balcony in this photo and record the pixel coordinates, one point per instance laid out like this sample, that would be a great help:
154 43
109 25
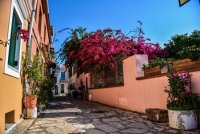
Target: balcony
63 80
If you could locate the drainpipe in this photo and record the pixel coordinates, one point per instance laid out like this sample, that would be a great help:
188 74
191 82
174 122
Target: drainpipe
31 24
29 37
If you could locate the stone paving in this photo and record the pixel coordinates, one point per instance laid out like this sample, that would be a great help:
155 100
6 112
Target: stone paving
22 127
76 117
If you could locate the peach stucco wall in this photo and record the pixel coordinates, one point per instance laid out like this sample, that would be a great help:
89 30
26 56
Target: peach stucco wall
137 95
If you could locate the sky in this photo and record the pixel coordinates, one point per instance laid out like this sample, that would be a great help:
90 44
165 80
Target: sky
161 18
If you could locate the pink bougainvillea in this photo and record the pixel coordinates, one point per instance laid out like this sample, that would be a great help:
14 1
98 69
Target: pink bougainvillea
108 46
153 50
105 47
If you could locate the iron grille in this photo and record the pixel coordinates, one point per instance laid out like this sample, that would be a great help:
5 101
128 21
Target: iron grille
104 76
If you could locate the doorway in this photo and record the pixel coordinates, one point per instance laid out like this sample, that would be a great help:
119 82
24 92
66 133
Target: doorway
62 88
56 90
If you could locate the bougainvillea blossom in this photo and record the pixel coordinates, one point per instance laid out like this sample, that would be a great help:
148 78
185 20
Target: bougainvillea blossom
105 47
23 34
109 46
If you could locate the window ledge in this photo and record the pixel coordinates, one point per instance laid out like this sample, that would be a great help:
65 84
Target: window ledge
12 72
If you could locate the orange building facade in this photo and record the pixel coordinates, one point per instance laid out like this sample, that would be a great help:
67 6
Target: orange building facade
42 31
16 14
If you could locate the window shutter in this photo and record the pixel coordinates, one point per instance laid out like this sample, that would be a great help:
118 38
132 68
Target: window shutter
13 39
62 75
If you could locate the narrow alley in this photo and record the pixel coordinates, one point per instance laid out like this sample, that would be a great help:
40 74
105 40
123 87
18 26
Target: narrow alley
64 115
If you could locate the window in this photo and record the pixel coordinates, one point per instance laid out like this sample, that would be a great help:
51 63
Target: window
62 88
62 75
13 50
14 45
44 33
40 21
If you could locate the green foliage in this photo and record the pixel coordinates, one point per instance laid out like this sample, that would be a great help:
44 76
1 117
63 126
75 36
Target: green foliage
184 46
33 70
39 84
72 44
191 52
189 102
157 62
45 93
179 93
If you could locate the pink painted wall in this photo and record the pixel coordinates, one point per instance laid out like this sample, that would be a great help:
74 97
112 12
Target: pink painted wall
83 77
137 95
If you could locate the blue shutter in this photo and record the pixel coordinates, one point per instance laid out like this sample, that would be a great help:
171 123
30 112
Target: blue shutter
62 75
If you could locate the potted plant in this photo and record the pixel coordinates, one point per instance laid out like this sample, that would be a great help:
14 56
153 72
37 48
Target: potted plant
32 71
182 103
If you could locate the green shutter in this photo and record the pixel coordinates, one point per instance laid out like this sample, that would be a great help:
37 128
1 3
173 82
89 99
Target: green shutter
13 39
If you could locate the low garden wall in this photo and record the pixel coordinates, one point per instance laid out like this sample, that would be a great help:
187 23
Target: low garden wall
137 94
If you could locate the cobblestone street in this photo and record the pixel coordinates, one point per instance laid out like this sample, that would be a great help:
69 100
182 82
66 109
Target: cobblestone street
76 116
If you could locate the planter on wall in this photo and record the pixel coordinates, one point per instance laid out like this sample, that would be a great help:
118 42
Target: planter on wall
183 119
31 101
152 71
185 64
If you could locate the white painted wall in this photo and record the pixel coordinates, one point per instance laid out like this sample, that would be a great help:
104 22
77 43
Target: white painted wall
59 83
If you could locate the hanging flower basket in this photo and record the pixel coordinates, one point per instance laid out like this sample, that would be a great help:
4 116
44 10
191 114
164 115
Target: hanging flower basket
23 34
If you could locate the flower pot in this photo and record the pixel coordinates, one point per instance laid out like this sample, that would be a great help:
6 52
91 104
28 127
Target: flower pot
152 71
183 119
185 64
32 113
31 101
